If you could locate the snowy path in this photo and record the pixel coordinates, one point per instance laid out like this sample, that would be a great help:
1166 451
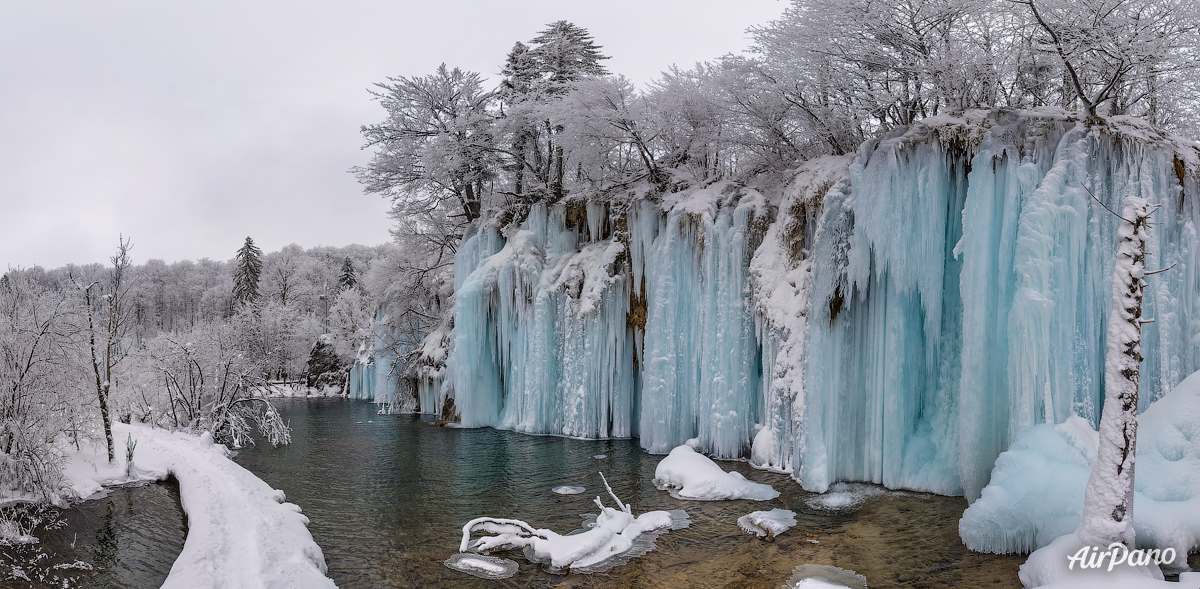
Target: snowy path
241 533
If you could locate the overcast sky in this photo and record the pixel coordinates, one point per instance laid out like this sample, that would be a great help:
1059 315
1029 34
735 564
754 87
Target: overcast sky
188 126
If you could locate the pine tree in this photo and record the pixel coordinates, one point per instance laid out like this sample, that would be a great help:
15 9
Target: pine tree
566 54
349 278
245 276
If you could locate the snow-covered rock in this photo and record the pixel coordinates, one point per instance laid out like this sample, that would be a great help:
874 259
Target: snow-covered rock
687 474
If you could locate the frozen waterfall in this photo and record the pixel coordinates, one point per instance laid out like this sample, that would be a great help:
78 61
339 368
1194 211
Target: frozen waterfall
897 316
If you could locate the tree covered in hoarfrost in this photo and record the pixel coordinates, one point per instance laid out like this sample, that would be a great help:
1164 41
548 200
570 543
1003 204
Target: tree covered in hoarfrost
42 387
433 152
1108 498
1138 57
210 384
247 274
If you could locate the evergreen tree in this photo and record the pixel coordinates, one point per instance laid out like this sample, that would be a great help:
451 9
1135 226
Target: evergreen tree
245 276
566 54
348 278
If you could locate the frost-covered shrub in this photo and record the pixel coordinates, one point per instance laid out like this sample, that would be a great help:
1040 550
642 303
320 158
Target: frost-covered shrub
207 382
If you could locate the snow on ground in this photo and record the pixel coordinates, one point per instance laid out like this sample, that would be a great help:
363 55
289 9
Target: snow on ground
1036 491
767 524
1051 567
241 533
687 474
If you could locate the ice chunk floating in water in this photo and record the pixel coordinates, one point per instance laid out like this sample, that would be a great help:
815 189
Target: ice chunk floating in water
482 566
767 524
568 490
820 576
689 475
615 538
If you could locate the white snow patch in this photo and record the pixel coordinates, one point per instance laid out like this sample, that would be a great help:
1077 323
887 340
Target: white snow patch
1049 567
767 523
240 531
689 475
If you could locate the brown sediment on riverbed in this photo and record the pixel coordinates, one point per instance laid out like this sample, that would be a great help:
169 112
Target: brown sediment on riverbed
896 540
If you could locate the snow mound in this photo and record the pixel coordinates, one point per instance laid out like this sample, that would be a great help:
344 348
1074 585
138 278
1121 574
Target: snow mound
1036 491
1050 567
568 490
689 475
241 533
846 496
767 524
820 576
482 566
613 539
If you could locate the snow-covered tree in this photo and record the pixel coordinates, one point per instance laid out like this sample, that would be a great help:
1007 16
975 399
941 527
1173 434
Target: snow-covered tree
1134 56
247 273
109 319
1108 498
43 390
434 150
348 277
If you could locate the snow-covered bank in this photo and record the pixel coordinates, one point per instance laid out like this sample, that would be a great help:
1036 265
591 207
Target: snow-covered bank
241 533
1036 491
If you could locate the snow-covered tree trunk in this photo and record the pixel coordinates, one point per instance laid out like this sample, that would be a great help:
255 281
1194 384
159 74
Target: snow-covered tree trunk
1107 514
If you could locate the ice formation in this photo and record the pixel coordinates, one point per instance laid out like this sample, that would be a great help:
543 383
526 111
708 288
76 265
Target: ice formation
820 576
767 524
845 496
1036 491
687 474
896 316
615 537
482 565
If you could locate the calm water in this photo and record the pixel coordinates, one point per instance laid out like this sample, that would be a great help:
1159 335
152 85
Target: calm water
388 495
128 539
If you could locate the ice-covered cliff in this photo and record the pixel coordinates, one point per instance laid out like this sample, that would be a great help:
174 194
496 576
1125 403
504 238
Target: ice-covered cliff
897 316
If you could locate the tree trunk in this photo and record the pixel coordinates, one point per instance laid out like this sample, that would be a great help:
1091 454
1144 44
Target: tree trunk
1107 514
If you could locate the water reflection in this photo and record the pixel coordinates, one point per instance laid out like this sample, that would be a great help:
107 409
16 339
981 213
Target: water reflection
388 495
128 539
